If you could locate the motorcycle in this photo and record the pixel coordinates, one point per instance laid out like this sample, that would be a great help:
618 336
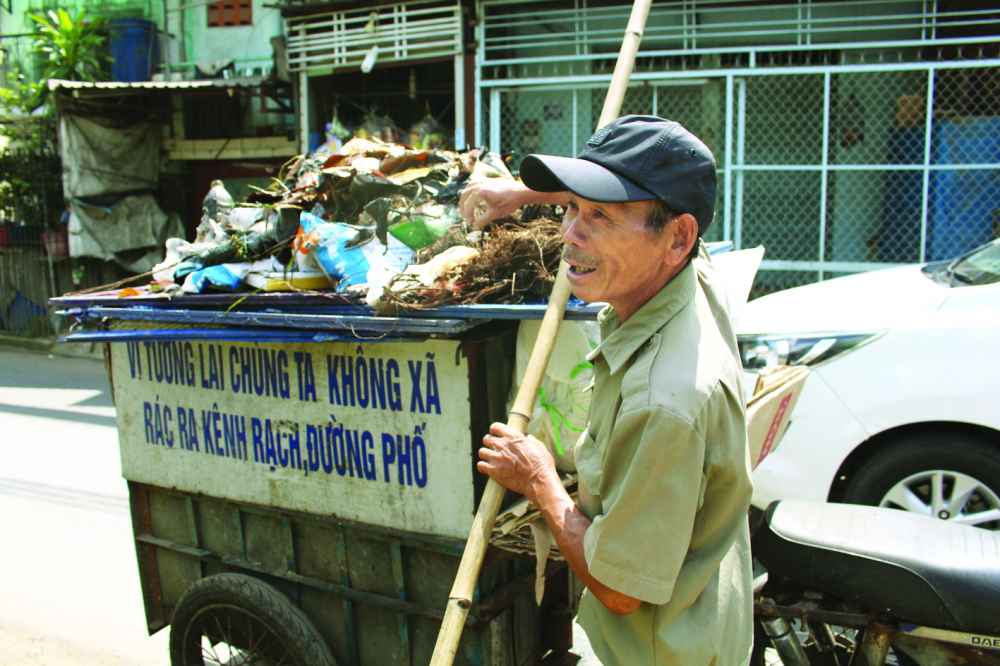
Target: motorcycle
867 586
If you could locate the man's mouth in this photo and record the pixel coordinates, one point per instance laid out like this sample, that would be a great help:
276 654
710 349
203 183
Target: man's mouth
579 264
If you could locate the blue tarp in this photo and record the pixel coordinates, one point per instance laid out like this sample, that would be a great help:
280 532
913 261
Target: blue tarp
964 204
20 312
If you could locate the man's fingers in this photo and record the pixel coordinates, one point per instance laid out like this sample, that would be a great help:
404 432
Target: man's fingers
466 214
467 206
492 441
483 221
502 429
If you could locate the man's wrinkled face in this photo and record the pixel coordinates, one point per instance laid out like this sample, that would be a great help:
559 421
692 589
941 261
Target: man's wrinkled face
613 254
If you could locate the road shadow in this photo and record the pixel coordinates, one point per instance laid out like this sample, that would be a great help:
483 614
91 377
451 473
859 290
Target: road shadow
60 414
80 499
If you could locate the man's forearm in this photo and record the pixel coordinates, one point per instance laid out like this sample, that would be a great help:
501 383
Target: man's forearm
568 525
551 198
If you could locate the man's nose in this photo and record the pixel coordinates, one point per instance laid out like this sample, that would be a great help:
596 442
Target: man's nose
572 231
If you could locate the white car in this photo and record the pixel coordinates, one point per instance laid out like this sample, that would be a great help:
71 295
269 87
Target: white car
902 406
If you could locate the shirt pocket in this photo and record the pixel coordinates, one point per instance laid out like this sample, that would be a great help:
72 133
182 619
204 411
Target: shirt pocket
588 463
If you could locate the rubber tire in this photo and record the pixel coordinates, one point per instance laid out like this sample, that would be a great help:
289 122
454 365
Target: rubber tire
958 452
295 631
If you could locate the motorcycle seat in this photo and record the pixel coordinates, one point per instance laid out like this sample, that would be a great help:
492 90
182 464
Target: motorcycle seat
917 569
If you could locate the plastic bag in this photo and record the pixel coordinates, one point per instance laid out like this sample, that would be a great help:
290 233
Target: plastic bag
425 227
429 134
562 407
223 276
336 128
380 127
331 245
336 134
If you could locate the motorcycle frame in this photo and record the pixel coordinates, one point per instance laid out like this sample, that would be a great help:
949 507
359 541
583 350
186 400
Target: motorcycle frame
948 636
881 632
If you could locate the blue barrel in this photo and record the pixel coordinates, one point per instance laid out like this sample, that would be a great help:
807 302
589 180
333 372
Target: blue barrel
134 48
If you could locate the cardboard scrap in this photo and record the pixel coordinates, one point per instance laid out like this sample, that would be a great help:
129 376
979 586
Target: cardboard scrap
769 409
516 528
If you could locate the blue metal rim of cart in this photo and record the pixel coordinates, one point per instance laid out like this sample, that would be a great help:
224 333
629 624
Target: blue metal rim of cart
298 325
352 323
216 334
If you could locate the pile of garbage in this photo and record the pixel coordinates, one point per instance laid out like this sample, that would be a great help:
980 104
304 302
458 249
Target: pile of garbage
375 222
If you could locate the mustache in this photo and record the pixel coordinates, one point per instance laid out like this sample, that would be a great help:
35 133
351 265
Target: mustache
578 258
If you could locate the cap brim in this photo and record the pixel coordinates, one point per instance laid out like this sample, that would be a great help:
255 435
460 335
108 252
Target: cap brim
549 173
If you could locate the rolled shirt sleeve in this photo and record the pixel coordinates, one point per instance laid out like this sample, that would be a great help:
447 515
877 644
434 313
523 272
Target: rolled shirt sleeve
651 487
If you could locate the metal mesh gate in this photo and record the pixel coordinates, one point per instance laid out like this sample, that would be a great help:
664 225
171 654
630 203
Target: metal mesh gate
559 120
833 169
30 238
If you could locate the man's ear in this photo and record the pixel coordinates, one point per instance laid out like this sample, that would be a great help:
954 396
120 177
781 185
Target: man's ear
683 234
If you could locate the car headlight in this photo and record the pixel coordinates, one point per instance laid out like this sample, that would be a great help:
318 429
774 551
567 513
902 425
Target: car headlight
763 350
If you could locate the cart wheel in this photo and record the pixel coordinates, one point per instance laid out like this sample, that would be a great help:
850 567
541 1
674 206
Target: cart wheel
237 620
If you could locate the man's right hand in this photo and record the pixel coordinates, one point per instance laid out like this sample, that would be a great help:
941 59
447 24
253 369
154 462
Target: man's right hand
523 464
517 461
484 201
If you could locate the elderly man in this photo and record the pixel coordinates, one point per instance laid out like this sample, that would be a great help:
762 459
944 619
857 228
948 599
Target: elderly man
660 535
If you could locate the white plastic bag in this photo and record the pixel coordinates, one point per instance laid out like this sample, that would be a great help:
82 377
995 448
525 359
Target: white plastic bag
562 407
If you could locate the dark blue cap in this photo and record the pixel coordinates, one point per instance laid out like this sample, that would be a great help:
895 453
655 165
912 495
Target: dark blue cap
634 158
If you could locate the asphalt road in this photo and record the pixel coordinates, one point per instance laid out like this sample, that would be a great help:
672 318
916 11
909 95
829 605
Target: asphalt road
69 585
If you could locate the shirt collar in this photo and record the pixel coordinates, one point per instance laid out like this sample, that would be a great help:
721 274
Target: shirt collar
620 341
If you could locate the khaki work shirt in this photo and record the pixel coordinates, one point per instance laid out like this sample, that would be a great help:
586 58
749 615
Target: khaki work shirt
665 478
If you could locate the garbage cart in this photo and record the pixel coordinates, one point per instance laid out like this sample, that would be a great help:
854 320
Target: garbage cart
302 481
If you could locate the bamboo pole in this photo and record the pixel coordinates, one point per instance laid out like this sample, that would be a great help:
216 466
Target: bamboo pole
460 599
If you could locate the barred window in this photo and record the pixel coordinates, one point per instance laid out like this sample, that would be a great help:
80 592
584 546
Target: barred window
230 12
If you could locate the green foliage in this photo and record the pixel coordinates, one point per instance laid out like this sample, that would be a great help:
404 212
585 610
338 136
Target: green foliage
70 49
32 132
66 48
30 186
21 97
13 190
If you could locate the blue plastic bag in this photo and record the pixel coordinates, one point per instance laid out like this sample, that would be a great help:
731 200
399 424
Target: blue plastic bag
226 276
349 266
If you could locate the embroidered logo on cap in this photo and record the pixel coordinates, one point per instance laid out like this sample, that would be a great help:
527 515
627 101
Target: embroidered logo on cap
599 137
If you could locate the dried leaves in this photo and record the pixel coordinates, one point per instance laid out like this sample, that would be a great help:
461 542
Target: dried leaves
515 264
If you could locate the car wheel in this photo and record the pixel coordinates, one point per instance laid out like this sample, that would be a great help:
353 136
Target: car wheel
951 477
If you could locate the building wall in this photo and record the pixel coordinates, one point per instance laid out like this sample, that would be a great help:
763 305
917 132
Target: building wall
193 40
249 45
